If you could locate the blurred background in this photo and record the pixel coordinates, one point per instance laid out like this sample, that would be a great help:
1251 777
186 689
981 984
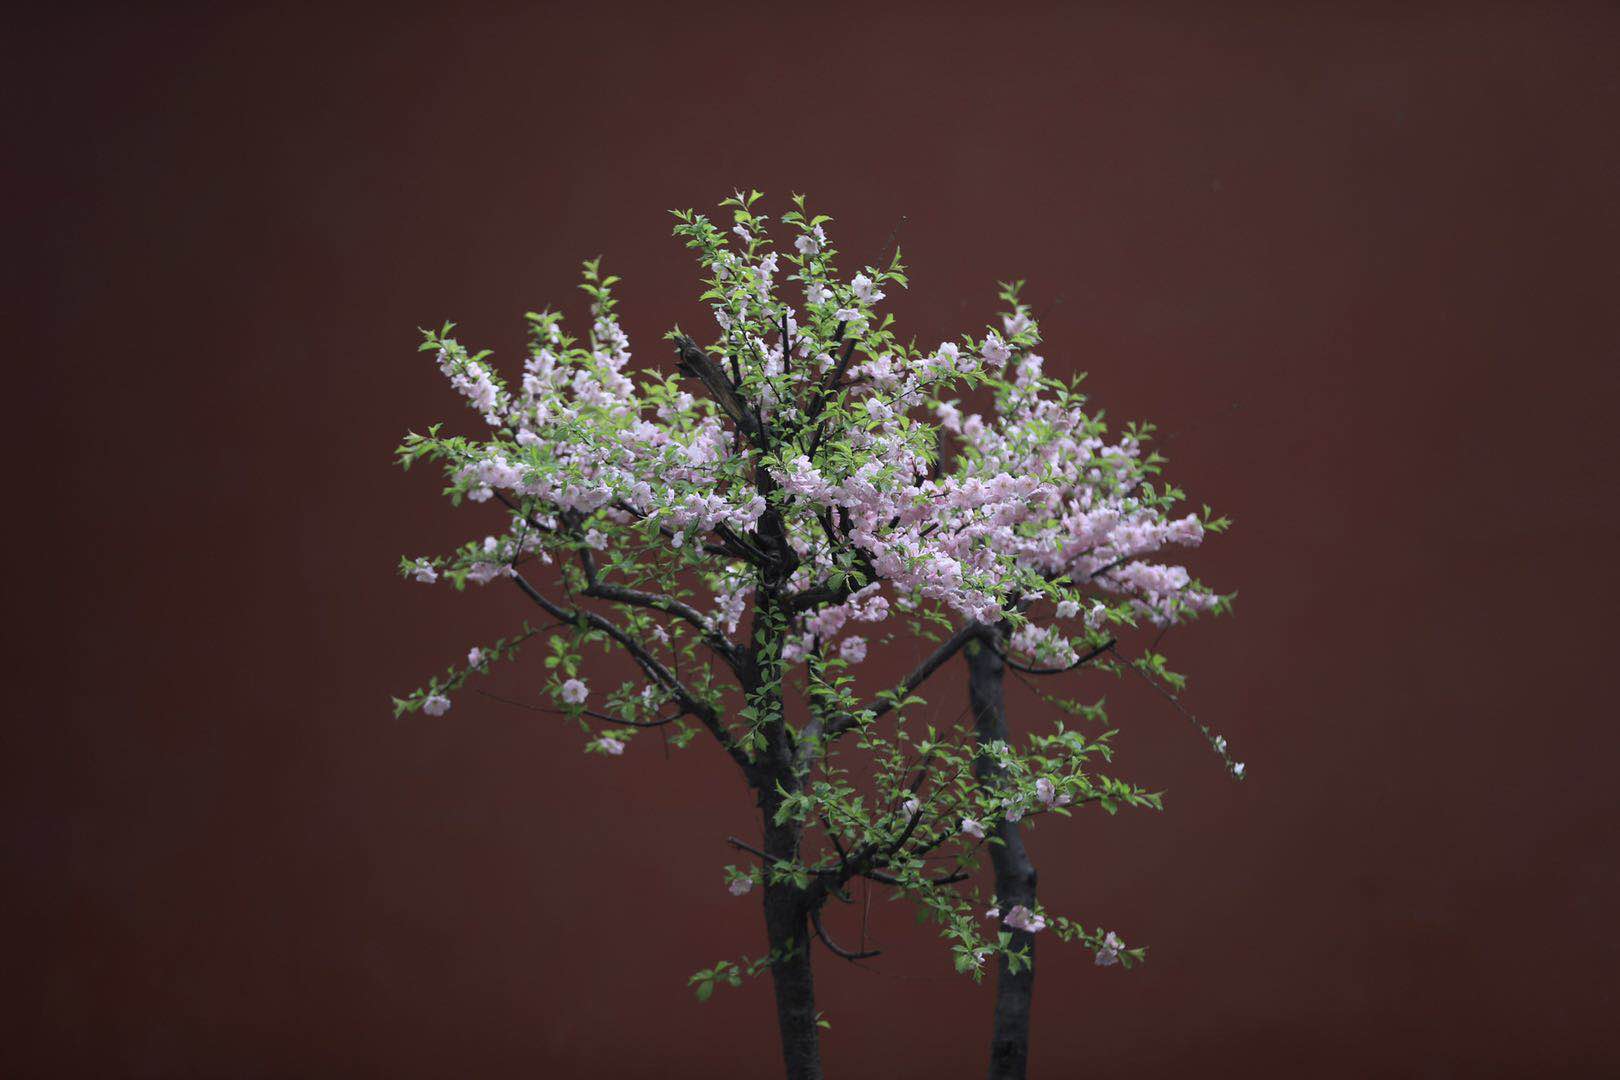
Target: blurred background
1359 266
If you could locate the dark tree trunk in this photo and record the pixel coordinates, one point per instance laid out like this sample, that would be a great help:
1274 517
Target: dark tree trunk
787 925
787 922
1015 874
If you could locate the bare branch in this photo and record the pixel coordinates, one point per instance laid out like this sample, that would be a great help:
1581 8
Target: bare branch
751 849
832 946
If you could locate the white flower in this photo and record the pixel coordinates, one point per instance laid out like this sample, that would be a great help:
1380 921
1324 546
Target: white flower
852 649
610 745
1097 615
817 293
810 243
877 410
740 885
475 656
423 571
993 913
973 828
864 289
574 692
1020 917
1015 808
1067 609
747 237
1108 952
911 806
1220 744
848 315
435 704
1237 769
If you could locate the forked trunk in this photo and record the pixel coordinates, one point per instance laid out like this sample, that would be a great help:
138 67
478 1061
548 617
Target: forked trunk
1015 874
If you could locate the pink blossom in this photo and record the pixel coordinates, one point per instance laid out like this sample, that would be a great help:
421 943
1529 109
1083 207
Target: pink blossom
973 828
1020 917
995 351
1047 793
574 692
852 649
435 704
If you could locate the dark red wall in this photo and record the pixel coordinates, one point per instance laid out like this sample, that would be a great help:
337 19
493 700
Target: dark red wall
1364 266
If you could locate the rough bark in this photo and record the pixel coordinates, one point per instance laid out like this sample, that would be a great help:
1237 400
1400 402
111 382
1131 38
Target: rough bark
787 925
1014 873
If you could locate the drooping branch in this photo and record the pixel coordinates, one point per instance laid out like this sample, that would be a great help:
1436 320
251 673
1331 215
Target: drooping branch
620 594
1107 646
833 946
884 879
648 663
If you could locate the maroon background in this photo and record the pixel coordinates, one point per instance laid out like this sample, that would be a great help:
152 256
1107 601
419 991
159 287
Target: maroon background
1364 266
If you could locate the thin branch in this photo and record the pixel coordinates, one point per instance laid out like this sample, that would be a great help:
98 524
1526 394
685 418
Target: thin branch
620 594
606 719
832 946
649 664
751 849
935 660
884 879
669 534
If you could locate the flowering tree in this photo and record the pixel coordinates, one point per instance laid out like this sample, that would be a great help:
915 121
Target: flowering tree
1097 519
749 527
